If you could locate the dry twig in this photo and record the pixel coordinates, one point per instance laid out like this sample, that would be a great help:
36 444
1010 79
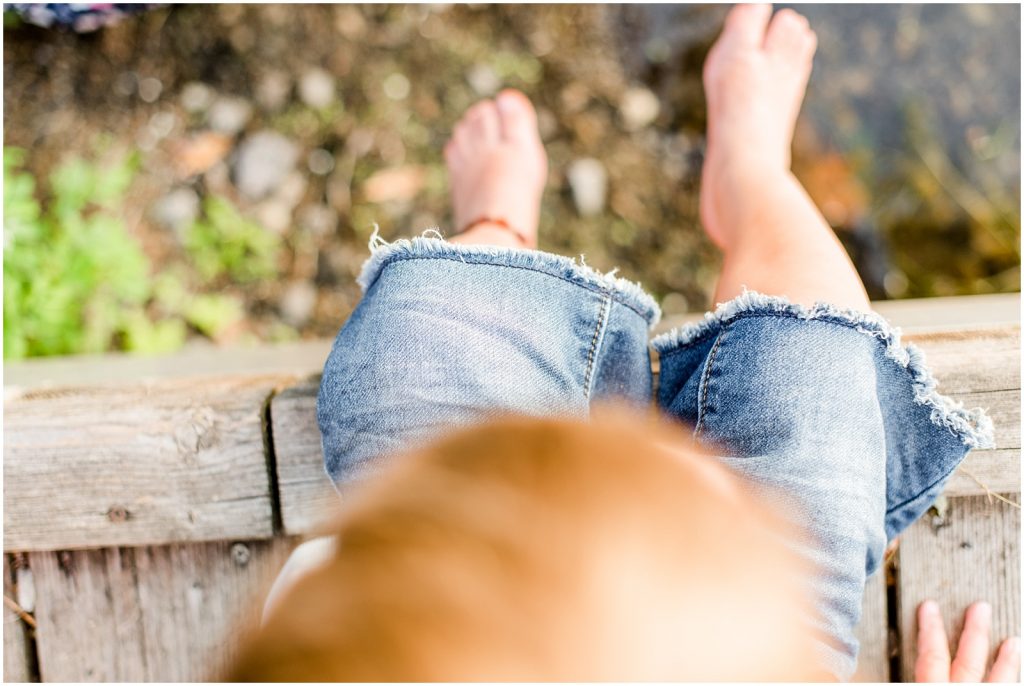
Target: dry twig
28 619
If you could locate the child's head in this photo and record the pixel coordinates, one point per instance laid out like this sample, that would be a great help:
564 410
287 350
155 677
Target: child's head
529 549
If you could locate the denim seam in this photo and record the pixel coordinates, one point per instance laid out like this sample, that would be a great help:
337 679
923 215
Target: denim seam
972 427
705 382
602 324
592 289
722 326
924 490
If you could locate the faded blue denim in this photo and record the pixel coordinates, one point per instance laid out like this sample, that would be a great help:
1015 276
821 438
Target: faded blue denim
820 406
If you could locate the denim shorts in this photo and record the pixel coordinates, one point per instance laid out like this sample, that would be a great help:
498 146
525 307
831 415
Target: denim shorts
821 405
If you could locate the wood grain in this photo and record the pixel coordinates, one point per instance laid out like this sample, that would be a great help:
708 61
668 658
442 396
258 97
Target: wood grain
873 632
167 613
974 556
306 495
980 367
972 360
143 464
17 641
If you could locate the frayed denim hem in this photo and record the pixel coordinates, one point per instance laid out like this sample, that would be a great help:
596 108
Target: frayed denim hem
431 245
973 427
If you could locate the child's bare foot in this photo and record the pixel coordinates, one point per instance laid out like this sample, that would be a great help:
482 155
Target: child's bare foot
754 79
497 167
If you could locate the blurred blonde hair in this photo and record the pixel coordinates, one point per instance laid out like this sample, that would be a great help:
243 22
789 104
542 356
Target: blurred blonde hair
545 549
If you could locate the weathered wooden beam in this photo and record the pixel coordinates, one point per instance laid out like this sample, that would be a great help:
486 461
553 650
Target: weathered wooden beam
306 495
18 648
973 554
169 613
954 313
303 358
979 367
168 461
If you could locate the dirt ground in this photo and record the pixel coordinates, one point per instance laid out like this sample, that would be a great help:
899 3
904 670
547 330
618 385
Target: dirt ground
917 164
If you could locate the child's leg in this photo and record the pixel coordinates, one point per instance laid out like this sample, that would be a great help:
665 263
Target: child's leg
819 407
774 239
452 332
497 166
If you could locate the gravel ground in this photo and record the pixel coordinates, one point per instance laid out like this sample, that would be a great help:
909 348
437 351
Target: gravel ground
319 121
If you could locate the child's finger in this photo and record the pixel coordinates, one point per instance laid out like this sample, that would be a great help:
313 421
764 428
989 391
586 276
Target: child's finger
972 651
932 646
1006 668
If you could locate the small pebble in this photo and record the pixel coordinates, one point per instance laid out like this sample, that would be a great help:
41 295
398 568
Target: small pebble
273 90
177 209
292 189
316 88
320 220
396 86
547 123
589 183
229 115
196 97
125 83
274 216
265 159
320 162
349 21
297 303
162 123
150 89
483 80
638 108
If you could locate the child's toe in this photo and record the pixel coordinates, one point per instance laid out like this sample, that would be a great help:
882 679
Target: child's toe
518 117
789 34
745 25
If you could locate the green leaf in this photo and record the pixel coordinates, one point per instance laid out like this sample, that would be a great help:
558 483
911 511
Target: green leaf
213 314
152 338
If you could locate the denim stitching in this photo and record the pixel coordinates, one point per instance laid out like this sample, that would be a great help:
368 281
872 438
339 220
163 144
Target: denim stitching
602 321
592 289
702 411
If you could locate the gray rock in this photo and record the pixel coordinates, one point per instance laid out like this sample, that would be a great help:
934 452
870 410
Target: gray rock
150 89
292 189
320 220
177 209
638 108
229 115
196 97
273 90
162 124
316 88
264 161
126 83
589 183
320 162
547 123
274 216
396 86
297 303
483 80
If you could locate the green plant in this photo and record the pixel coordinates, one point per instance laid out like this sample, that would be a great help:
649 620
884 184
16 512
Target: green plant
74 279
223 242
213 313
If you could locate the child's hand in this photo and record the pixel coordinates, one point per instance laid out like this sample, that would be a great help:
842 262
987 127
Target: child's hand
933 662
